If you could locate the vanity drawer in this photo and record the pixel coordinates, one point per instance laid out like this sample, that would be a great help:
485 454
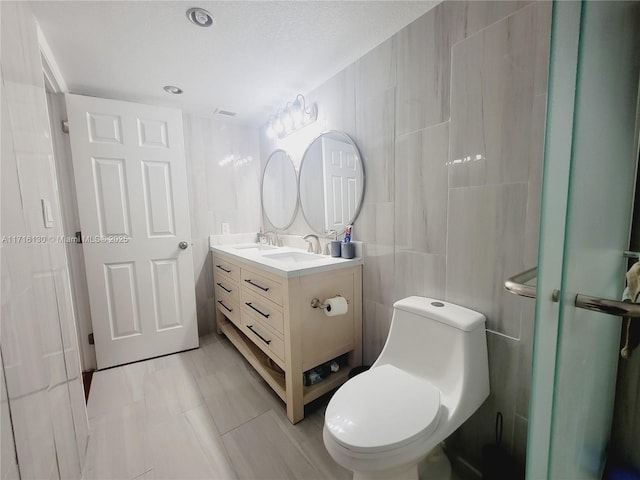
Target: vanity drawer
262 285
230 309
226 289
265 338
223 267
264 310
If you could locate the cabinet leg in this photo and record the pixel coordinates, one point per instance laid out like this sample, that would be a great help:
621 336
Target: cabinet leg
295 411
219 319
294 395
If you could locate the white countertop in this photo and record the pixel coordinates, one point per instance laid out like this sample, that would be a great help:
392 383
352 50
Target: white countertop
285 268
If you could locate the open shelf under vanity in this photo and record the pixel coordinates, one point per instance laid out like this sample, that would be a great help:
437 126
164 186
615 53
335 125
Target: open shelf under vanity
271 321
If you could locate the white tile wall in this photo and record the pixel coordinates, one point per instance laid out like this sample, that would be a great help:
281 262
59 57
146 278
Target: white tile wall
39 347
218 194
466 79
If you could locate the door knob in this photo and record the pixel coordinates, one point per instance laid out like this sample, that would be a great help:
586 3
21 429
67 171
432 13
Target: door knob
183 245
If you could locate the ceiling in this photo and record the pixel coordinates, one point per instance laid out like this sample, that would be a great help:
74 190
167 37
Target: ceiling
257 56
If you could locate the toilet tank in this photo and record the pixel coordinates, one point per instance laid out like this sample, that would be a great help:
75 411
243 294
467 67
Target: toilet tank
441 342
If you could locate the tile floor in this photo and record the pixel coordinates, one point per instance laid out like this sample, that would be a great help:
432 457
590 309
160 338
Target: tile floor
201 414
204 413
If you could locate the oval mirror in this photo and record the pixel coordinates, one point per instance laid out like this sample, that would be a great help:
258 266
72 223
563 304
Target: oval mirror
279 190
331 183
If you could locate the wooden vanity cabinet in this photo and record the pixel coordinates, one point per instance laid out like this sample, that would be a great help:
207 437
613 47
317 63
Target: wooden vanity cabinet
270 321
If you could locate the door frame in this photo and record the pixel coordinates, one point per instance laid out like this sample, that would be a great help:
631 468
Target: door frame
55 84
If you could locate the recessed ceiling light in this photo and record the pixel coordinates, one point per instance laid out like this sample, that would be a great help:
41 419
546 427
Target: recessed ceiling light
200 17
173 90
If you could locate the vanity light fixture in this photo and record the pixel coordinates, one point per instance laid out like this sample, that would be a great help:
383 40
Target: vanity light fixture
200 17
295 115
173 90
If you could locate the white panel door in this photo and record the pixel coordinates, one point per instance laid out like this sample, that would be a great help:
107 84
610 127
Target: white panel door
129 169
342 179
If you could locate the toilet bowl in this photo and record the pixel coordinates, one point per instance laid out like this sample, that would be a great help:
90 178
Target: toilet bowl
432 374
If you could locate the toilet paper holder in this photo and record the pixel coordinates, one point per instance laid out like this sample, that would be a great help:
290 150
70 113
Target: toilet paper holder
315 303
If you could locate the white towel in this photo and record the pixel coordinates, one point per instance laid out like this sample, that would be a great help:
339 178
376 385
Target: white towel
631 326
633 282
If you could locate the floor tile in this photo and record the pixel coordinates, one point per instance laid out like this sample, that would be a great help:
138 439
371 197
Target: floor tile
177 452
204 413
118 444
232 398
263 448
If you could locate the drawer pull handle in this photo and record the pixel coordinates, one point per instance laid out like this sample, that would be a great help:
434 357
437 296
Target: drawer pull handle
223 287
250 327
251 282
265 315
223 269
227 308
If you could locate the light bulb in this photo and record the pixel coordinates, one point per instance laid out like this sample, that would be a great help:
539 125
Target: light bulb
287 121
271 133
278 126
296 112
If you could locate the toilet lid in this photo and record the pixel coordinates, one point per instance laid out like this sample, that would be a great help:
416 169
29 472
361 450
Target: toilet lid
382 409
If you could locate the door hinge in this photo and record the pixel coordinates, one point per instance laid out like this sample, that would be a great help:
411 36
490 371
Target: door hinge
91 342
65 126
78 237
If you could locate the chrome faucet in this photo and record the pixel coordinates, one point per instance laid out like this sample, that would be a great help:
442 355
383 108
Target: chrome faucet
272 238
313 248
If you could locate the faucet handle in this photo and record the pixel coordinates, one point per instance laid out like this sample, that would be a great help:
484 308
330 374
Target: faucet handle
310 248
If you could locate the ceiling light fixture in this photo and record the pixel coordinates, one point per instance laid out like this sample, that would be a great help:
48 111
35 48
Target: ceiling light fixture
294 116
173 90
200 17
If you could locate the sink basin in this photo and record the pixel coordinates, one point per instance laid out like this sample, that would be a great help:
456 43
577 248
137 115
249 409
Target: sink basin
294 257
255 246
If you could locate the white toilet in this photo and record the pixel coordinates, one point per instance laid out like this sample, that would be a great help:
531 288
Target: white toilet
432 374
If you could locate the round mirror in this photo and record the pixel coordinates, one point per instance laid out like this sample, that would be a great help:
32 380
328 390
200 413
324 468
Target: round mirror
279 190
331 183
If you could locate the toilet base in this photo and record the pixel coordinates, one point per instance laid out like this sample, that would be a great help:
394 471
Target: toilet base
398 474
435 466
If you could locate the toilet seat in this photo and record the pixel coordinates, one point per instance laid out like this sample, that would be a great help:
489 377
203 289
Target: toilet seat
382 409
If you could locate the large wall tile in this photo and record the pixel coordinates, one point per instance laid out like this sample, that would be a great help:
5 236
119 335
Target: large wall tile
424 68
227 193
376 329
376 70
419 274
375 225
493 76
377 278
520 434
525 361
484 247
375 139
479 430
542 20
421 190
536 161
336 100
471 17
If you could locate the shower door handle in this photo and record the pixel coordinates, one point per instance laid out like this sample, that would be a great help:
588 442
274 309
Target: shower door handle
610 307
516 285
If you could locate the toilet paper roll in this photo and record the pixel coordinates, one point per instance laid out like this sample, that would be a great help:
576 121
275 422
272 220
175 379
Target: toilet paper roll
336 306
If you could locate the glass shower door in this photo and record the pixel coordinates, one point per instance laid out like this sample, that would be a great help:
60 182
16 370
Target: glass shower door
590 165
